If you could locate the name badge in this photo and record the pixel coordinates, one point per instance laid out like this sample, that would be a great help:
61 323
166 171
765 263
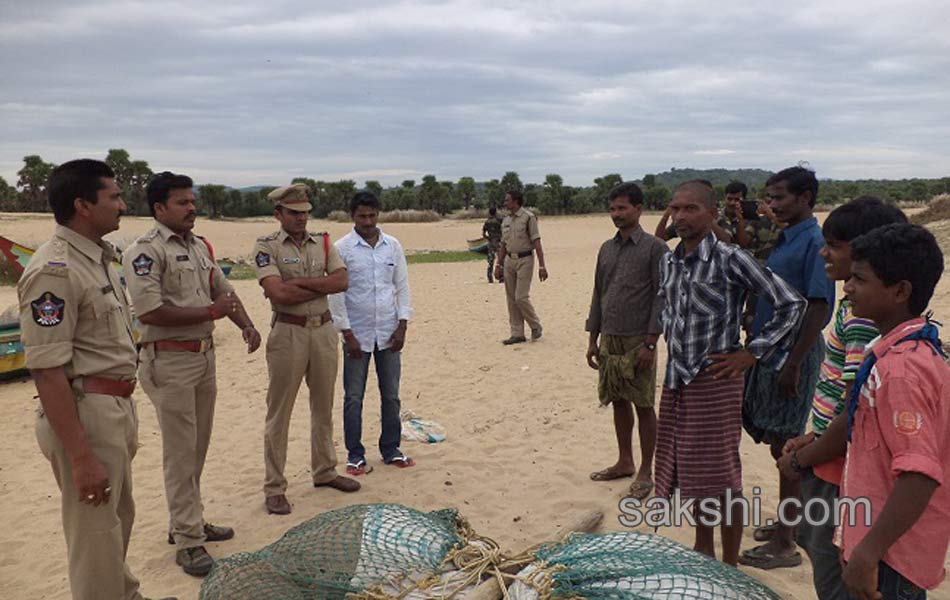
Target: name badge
181 257
291 260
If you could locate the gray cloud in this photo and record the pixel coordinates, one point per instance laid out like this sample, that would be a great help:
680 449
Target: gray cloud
368 90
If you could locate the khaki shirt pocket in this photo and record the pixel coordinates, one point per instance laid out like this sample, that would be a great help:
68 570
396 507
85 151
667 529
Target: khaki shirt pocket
182 281
106 311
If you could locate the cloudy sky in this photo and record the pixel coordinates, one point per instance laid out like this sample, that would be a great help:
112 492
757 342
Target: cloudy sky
260 92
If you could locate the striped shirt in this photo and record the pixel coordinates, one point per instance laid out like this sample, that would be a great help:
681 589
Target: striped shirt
704 295
844 351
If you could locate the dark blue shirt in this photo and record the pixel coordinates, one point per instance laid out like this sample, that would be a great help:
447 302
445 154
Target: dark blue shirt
797 259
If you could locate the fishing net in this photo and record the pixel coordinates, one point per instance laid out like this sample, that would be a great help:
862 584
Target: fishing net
340 552
631 566
391 552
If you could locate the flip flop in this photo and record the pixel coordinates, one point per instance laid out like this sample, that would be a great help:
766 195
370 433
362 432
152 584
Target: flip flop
640 489
609 474
764 533
761 559
358 468
402 462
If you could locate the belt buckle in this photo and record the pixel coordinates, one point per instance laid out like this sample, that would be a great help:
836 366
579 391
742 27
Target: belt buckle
204 345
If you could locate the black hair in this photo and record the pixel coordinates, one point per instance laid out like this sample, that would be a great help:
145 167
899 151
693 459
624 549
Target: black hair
736 187
492 210
163 183
516 195
363 198
80 178
860 216
902 252
628 190
798 180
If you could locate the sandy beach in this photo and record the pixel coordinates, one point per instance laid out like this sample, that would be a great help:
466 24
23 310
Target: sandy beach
523 423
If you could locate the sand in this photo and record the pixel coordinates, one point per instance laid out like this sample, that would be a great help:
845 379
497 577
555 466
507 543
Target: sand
524 427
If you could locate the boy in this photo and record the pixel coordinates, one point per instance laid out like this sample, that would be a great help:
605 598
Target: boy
897 426
844 350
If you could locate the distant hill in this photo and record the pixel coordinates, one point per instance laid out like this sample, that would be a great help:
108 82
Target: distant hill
754 178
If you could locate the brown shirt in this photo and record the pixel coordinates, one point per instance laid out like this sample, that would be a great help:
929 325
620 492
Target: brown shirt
519 231
73 309
277 254
162 267
626 297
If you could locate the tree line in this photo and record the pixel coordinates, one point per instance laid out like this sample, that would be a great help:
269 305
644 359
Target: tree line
552 196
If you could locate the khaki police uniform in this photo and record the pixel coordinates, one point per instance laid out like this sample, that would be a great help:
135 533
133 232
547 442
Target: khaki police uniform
302 343
74 314
178 363
518 234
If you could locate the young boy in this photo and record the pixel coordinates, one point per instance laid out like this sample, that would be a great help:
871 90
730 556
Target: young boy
897 423
844 351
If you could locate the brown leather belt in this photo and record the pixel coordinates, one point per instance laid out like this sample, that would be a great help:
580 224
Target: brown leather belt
182 346
524 254
109 387
302 320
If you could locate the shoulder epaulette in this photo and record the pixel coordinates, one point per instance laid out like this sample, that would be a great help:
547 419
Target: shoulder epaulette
56 254
268 238
148 236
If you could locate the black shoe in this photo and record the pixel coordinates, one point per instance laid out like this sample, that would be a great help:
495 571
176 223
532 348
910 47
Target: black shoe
515 339
536 334
195 561
213 533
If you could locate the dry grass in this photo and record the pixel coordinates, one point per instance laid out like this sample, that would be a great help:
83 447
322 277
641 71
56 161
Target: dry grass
471 213
393 216
938 209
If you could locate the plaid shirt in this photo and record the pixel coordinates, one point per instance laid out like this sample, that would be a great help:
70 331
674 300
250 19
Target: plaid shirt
704 294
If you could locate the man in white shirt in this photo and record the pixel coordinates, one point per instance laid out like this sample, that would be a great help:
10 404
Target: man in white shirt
372 316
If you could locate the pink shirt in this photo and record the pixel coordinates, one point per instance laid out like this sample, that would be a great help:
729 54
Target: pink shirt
902 425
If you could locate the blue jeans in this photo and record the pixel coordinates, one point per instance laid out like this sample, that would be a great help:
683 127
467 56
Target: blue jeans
355 371
894 586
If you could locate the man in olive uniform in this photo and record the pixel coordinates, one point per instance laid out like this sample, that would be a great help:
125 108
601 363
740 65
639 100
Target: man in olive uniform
297 269
77 329
520 240
178 292
491 230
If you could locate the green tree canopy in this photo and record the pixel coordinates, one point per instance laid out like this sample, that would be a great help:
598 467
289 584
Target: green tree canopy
465 188
510 181
31 179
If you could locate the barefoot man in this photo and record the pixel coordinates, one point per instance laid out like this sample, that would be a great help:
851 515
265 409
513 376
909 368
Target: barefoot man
624 315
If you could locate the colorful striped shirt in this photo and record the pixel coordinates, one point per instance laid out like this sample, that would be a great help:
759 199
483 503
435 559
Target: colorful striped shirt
844 351
704 295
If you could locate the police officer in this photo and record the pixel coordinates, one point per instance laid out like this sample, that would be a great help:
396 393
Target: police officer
520 241
77 329
178 292
297 269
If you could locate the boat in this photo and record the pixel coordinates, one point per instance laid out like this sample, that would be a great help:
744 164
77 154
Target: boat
480 245
15 254
12 355
19 255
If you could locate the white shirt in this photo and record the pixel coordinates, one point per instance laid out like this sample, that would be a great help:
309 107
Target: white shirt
378 295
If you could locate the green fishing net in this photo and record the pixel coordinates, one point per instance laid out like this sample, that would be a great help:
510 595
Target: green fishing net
336 553
631 566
